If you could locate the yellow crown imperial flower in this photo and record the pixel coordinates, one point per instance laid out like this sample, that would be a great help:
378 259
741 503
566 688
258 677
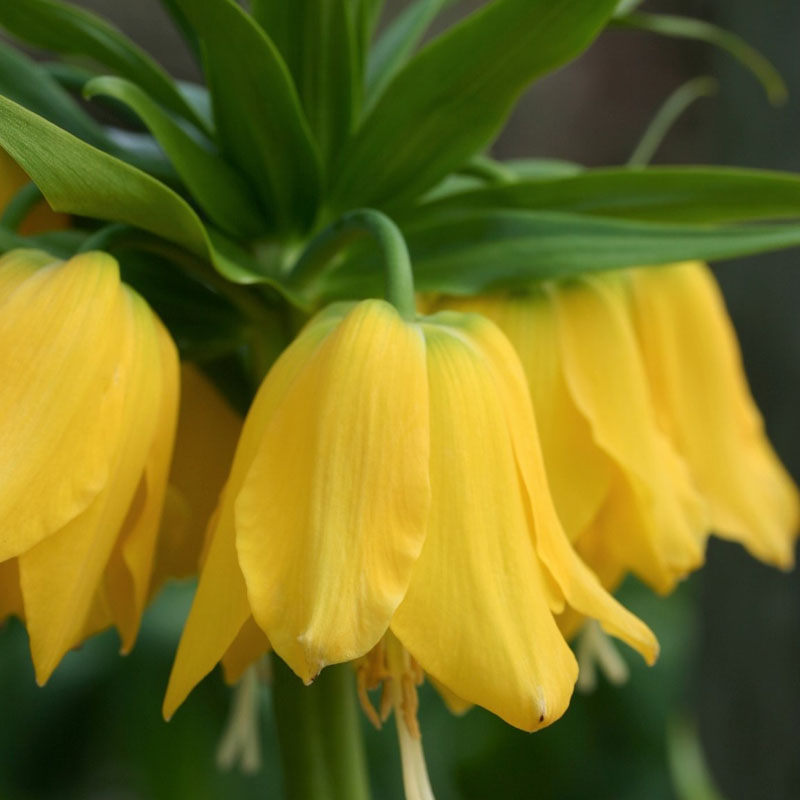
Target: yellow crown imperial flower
622 492
649 434
704 405
87 414
388 505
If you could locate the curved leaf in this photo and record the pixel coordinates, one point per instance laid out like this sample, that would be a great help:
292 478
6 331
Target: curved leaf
657 194
218 189
64 28
77 178
687 28
452 98
260 123
474 251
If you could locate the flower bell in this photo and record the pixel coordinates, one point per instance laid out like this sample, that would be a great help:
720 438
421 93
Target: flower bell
87 415
703 404
388 506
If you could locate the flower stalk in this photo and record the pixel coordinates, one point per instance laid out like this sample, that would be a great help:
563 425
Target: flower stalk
319 733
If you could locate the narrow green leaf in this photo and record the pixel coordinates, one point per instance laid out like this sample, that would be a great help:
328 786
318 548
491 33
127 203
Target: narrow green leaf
670 112
183 26
687 28
542 167
476 251
398 42
64 28
29 84
451 99
260 123
656 194
77 178
219 190
319 42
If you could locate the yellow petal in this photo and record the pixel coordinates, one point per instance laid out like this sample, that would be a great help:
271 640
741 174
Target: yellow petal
60 576
578 584
704 404
529 323
208 429
17 266
59 410
221 606
331 517
662 536
476 615
131 565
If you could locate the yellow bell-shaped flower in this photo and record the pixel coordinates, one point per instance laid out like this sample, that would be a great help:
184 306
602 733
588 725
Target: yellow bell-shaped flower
622 492
87 413
388 505
704 405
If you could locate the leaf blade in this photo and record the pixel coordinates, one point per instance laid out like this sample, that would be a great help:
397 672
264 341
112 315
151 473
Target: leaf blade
443 107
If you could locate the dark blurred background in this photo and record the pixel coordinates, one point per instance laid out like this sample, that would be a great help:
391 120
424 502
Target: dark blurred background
725 695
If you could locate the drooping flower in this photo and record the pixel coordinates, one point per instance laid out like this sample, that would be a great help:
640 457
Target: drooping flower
704 405
622 492
87 414
388 505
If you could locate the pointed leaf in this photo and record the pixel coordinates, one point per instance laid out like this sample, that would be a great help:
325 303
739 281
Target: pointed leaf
319 43
658 194
219 190
398 42
687 28
64 28
453 97
77 178
260 123
472 251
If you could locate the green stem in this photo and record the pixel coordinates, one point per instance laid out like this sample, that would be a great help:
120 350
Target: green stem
20 206
319 733
348 228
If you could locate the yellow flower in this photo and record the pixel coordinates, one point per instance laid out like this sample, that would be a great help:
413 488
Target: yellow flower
623 494
87 412
649 434
704 405
388 505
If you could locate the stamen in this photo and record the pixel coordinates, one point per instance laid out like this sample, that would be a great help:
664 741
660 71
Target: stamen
415 773
241 741
596 650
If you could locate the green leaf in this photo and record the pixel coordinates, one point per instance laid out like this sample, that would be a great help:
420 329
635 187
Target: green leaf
542 167
453 97
64 28
319 41
398 42
687 28
29 84
77 178
183 26
656 194
476 251
219 190
260 123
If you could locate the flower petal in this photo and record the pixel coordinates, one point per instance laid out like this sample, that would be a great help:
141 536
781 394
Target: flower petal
579 585
61 575
476 615
59 409
666 518
10 593
221 607
248 646
331 517
132 560
705 406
